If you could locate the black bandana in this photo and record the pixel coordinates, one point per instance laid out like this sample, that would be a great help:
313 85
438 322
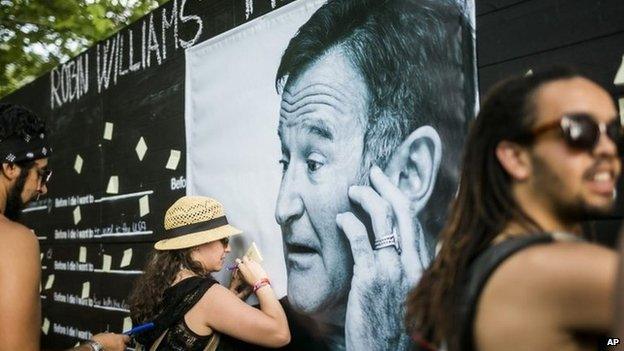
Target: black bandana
26 148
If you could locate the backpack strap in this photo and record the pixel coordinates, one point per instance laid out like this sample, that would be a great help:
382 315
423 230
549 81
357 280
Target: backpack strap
213 343
158 341
478 275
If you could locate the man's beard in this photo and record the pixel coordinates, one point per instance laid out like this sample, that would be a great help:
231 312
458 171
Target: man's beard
14 203
573 210
578 211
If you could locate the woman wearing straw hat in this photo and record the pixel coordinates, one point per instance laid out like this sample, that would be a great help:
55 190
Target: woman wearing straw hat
188 307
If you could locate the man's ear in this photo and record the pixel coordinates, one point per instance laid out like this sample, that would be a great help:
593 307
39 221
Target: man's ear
414 165
10 171
514 159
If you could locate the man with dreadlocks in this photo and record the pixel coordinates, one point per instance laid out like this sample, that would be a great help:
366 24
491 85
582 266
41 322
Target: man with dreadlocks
514 272
24 174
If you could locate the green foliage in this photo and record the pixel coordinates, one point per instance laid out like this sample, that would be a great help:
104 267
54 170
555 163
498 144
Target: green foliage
36 35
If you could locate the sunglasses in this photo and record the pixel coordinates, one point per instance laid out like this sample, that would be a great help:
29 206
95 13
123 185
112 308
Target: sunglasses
582 132
225 241
45 175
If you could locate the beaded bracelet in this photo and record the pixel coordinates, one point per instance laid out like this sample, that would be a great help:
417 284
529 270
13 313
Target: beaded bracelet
260 283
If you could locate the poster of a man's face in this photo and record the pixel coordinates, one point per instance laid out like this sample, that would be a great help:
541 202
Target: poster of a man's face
321 134
371 109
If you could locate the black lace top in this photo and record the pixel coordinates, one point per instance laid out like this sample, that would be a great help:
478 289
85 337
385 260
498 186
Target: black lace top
181 338
177 301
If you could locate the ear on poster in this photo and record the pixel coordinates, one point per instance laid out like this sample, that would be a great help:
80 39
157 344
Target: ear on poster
414 165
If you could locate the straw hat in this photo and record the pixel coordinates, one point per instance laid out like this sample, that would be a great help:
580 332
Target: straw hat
192 221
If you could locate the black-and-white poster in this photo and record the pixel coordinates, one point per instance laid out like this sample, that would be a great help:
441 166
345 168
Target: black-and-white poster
332 134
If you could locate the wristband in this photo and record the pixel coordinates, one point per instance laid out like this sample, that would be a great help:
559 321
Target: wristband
260 283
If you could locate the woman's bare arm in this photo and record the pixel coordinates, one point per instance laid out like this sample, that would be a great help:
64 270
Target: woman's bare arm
226 313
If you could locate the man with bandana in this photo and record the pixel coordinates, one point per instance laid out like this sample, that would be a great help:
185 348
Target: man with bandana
24 174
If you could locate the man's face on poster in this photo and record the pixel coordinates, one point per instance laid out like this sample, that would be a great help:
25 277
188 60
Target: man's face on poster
321 129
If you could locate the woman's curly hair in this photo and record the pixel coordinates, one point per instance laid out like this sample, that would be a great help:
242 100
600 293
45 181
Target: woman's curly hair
162 267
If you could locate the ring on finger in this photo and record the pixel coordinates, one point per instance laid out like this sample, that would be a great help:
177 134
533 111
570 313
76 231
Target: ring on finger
388 240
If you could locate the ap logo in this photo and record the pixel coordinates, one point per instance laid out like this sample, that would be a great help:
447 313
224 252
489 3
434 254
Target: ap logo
613 341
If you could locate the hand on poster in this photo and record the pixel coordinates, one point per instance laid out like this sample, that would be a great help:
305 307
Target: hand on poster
382 277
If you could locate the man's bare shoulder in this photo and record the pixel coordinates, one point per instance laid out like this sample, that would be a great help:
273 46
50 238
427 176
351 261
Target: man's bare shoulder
15 236
557 262
547 291
556 275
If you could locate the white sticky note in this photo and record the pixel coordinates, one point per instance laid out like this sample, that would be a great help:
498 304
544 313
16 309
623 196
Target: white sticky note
46 326
77 215
126 259
82 257
619 76
106 262
144 205
86 289
127 324
113 185
78 164
254 253
49 282
108 131
528 73
621 103
174 159
141 148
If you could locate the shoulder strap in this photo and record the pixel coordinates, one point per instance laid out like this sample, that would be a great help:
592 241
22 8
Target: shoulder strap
157 342
214 342
480 271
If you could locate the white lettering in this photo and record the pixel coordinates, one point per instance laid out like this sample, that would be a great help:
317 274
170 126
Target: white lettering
152 43
70 81
54 94
134 66
104 69
168 24
178 183
184 19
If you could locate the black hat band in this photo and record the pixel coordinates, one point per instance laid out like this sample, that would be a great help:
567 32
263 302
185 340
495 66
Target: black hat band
196 227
